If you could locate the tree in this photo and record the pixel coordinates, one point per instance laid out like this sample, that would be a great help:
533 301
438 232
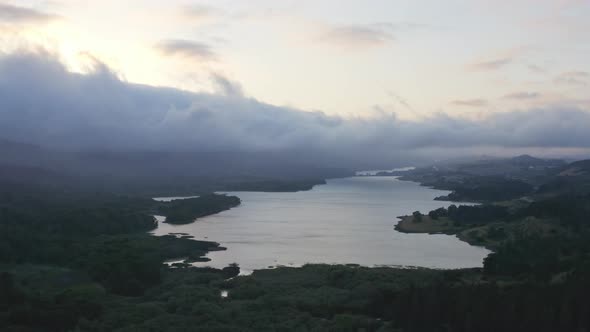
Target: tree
417 216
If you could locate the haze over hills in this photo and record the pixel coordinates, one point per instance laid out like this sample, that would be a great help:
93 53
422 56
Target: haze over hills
189 165
157 171
572 179
98 116
24 163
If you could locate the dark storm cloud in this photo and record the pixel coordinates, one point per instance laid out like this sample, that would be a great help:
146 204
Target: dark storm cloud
15 14
41 102
187 49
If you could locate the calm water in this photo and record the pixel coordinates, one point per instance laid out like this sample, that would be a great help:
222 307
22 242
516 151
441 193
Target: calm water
348 220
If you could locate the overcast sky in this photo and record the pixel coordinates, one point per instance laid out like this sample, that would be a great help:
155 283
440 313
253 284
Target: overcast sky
373 65
413 57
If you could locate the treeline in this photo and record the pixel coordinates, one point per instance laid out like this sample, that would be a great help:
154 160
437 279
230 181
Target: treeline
570 209
185 211
484 189
66 256
490 306
61 272
541 258
75 214
277 185
38 228
467 215
102 235
312 298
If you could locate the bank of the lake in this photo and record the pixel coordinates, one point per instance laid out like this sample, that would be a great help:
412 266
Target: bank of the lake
346 221
426 225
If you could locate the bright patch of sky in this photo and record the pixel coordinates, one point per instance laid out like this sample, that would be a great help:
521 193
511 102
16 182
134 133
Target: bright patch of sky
351 57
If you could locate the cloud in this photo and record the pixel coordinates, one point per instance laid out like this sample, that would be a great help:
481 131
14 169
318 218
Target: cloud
200 13
493 64
42 103
226 86
15 14
522 95
470 102
402 101
536 69
358 36
573 78
186 49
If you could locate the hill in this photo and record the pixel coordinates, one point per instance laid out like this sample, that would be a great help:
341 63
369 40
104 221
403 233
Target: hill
573 178
158 172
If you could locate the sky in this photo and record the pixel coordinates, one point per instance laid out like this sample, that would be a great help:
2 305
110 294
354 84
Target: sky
368 68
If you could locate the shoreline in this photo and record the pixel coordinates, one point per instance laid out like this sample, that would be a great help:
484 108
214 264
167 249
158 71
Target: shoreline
470 235
369 263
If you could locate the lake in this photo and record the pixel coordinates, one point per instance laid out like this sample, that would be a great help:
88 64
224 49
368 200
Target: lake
346 221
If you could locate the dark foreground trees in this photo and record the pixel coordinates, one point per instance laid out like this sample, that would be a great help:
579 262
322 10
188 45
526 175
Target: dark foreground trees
58 273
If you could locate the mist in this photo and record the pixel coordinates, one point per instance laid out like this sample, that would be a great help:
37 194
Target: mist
43 103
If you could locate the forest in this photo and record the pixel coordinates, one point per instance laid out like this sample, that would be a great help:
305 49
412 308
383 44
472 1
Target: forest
185 211
83 261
